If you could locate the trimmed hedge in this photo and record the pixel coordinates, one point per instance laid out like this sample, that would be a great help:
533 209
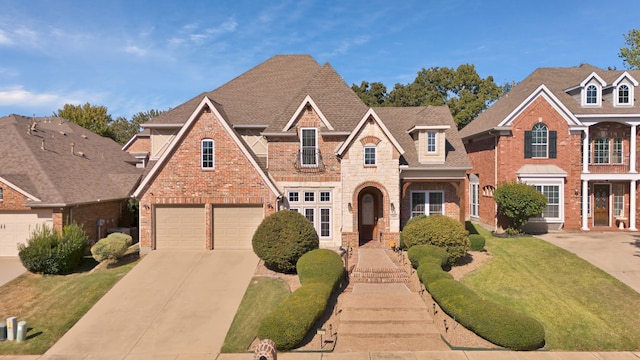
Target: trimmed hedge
320 271
477 242
492 321
111 248
282 238
497 323
48 251
438 230
417 252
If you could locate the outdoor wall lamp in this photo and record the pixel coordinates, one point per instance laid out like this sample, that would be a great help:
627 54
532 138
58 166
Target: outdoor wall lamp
576 191
393 208
350 207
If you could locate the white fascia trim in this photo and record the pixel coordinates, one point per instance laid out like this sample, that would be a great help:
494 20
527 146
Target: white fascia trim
593 75
610 177
625 75
161 126
428 127
543 91
307 100
354 133
607 116
126 146
205 102
16 188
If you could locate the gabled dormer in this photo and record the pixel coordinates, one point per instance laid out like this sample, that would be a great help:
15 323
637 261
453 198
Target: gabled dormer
591 90
623 90
430 141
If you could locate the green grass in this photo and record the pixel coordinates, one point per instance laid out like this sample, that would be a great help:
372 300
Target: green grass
262 296
52 304
581 307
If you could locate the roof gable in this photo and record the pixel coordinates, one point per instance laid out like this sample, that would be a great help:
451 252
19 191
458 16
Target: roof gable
307 101
371 114
204 103
544 92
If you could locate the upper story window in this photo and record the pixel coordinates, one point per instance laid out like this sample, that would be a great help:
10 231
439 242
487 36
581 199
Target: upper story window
294 196
592 95
431 142
623 94
540 142
1 195
370 155
309 147
207 154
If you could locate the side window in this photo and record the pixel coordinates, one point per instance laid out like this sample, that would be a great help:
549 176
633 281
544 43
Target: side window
370 155
207 154
309 147
432 142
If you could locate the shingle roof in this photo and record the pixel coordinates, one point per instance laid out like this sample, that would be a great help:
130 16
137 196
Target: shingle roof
400 120
557 80
56 176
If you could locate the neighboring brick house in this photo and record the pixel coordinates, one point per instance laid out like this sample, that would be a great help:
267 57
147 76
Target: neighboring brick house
55 172
290 134
537 133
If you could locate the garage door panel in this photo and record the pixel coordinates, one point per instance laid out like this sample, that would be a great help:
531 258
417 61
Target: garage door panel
180 227
17 226
233 227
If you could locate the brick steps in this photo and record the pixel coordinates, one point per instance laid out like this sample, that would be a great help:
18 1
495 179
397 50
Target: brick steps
383 275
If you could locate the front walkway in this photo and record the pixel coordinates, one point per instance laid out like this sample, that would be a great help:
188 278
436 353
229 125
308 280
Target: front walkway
10 268
617 253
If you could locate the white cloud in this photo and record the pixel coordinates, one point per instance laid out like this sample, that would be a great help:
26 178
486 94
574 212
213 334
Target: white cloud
17 96
194 34
4 39
132 49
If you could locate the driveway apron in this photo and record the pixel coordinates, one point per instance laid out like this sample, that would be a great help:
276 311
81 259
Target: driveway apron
10 268
171 305
617 253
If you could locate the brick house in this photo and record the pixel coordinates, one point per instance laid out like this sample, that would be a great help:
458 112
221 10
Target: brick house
55 172
570 132
290 134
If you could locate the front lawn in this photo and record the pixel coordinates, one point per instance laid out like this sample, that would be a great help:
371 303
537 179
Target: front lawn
52 304
262 296
581 307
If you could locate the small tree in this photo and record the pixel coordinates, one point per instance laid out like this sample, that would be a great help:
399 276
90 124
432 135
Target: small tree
519 202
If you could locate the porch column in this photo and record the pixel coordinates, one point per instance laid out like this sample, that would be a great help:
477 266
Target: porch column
585 152
585 205
632 205
632 150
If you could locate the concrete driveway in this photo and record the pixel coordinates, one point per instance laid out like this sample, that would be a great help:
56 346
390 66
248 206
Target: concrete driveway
617 253
172 305
10 268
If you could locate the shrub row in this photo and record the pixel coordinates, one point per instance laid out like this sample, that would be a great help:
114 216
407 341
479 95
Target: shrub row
439 230
418 252
111 248
494 322
320 271
48 251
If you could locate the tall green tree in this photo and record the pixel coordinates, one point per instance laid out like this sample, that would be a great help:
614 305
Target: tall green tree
122 130
631 53
93 117
462 90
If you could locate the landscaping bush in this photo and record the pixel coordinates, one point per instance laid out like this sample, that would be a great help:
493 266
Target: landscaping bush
320 265
111 248
417 252
477 242
48 251
430 271
438 230
519 202
282 238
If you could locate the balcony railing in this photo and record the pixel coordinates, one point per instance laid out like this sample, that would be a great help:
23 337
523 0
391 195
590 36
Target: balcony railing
309 161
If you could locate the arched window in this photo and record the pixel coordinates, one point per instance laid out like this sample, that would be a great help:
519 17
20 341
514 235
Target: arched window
592 95
539 141
623 94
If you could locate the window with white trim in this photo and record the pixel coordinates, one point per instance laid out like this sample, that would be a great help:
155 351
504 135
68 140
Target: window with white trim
207 154
309 147
601 151
474 199
592 95
427 203
618 200
370 155
1 195
552 193
432 142
539 141
623 94
616 153
588 203
315 205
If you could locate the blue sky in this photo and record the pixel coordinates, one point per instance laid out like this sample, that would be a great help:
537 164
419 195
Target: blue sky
136 55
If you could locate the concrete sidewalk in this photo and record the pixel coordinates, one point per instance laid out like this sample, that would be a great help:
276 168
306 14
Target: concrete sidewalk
617 253
173 305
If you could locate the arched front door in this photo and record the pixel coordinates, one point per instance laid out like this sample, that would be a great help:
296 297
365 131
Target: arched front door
369 212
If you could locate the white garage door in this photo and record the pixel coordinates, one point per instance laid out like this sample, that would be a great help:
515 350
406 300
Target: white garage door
180 228
17 226
233 227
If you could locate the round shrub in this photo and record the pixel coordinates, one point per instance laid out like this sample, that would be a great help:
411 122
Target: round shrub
477 242
48 251
439 230
111 248
430 271
417 252
320 265
282 238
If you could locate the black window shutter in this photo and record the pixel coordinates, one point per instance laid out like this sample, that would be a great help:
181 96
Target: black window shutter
527 145
553 135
